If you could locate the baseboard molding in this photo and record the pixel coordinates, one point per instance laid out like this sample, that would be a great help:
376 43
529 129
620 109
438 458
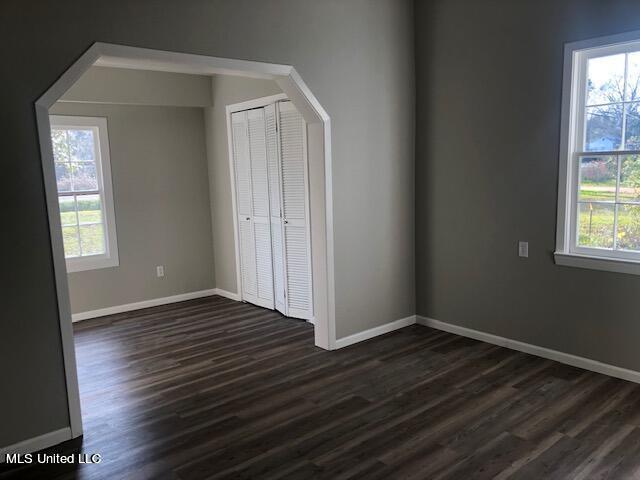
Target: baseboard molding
566 358
154 302
37 443
374 332
226 294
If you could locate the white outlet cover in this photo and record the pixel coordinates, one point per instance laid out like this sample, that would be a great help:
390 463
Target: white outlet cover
523 249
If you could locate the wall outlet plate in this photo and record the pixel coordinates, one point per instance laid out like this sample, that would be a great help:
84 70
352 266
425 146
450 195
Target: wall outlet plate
523 249
160 271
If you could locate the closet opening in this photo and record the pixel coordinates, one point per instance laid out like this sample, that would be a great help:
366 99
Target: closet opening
277 172
268 162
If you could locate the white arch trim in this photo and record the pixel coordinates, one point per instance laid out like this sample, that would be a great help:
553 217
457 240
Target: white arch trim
319 133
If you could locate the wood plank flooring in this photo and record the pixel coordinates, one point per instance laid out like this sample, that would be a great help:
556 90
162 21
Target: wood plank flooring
213 388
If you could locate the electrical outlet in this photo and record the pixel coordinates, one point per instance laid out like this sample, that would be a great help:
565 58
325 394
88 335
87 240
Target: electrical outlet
160 271
523 249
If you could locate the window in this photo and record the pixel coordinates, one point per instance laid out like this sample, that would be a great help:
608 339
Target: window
599 204
83 175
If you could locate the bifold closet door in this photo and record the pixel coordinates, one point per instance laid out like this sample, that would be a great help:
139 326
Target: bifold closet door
295 211
252 198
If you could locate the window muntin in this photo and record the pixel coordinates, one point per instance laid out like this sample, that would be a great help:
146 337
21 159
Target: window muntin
605 157
81 159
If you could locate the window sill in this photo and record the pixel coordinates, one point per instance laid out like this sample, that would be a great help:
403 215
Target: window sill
607 264
82 264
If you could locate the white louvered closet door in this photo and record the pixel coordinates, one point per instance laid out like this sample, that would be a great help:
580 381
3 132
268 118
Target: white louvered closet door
295 211
260 207
244 206
275 202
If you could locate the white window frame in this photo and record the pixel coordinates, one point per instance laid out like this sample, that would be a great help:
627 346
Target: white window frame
105 190
574 89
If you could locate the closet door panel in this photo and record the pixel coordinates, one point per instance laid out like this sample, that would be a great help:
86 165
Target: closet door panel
242 170
275 201
264 267
247 260
241 163
260 205
298 273
258 153
279 283
270 163
292 145
292 129
273 160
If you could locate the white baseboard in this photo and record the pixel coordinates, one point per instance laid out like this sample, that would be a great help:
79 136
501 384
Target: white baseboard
225 293
374 332
154 302
37 443
566 358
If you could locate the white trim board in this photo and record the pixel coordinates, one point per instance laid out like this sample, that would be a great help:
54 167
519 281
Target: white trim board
37 443
607 264
566 358
154 302
227 294
375 332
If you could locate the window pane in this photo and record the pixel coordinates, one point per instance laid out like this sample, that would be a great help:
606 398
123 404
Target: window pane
604 128
605 79
92 238
89 209
633 77
60 146
595 225
629 227
81 145
84 176
67 210
63 177
71 244
630 179
632 129
598 177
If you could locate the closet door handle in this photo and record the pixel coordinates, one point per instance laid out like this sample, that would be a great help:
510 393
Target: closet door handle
248 218
286 221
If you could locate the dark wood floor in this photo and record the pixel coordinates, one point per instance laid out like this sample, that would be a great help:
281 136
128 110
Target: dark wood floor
213 388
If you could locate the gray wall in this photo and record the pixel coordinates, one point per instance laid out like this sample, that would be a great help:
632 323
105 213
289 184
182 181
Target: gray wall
226 91
161 197
140 87
352 55
488 124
